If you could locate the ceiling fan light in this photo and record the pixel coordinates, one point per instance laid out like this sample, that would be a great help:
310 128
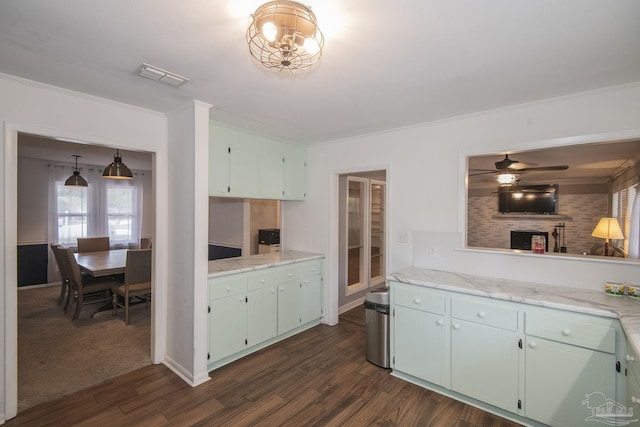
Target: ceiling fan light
506 179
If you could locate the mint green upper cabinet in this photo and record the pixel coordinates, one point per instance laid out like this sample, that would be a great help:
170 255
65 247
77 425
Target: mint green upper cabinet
295 169
247 165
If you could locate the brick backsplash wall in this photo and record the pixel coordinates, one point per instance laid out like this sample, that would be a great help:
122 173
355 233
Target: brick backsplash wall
487 228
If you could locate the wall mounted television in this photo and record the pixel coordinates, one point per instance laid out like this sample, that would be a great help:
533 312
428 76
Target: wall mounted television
529 199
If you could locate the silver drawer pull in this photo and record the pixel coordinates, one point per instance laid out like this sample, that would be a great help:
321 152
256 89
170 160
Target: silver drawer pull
566 332
290 274
416 301
635 399
533 344
630 358
439 322
482 314
228 288
262 281
456 326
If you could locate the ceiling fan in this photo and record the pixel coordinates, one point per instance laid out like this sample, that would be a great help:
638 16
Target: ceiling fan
507 170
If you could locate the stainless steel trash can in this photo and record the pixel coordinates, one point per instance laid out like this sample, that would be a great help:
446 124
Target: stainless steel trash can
376 304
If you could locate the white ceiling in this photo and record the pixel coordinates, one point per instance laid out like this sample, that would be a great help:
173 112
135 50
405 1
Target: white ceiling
385 64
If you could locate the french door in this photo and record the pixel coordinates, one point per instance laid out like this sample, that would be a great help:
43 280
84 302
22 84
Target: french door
365 239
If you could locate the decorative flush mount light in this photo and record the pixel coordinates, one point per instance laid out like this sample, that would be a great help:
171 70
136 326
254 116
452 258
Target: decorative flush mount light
76 180
117 169
285 34
506 179
163 76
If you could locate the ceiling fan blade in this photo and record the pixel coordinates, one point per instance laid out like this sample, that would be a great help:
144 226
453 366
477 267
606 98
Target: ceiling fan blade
544 168
481 172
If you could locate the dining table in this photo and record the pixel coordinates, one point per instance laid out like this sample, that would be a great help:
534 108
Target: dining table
102 263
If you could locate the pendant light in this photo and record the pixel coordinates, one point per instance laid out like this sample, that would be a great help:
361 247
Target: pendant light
76 180
117 169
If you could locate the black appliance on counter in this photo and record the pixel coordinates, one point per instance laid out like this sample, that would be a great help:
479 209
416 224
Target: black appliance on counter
269 236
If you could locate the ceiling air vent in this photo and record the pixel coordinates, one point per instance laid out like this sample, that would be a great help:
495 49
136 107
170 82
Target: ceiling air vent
158 74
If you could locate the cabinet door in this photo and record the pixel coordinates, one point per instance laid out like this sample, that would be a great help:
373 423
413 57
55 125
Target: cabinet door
218 169
295 182
559 379
272 172
227 326
288 306
484 363
311 298
243 169
420 345
262 314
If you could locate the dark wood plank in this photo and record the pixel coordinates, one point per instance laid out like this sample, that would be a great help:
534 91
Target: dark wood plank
317 378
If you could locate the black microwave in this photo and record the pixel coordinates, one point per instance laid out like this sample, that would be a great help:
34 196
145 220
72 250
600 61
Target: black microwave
269 236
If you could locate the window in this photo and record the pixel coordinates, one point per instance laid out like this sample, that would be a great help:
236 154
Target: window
72 215
121 205
621 206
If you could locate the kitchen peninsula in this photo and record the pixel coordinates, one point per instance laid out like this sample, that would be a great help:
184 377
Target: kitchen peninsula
526 351
257 300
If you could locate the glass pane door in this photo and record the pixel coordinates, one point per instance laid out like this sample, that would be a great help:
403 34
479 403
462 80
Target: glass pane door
376 232
355 232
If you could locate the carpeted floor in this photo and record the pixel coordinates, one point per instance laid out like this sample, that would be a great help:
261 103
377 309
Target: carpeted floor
57 356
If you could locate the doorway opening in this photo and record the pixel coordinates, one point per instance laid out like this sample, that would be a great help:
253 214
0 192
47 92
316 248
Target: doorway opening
56 354
362 242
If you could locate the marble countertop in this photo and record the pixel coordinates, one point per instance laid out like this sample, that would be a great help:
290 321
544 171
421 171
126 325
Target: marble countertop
223 267
565 298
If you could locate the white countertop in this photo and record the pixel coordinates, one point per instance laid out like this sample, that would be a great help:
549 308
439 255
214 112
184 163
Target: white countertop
223 267
571 299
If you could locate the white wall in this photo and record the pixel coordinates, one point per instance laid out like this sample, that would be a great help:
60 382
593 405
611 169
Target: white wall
226 221
426 166
44 110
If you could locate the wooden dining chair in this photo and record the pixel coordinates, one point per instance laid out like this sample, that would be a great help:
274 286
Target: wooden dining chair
64 280
93 244
83 286
145 243
137 281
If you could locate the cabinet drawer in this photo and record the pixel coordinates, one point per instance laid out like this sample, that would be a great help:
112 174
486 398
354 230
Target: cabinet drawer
420 299
287 273
225 286
571 330
485 313
312 268
262 279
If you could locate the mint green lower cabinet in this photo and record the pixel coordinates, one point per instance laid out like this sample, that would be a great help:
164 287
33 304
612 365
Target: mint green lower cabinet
262 314
311 306
560 376
421 345
248 311
288 306
485 363
227 326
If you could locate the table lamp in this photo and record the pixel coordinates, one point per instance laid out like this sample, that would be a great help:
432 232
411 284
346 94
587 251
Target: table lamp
607 228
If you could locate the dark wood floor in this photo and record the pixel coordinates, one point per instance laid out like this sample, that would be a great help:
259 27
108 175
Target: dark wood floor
317 378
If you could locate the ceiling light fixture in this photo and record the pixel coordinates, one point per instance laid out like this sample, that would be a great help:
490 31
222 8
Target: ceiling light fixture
285 34
160 75
76 180
117 169
506 179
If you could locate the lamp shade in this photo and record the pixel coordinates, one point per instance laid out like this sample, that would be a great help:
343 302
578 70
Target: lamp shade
608 228
117 169
76 180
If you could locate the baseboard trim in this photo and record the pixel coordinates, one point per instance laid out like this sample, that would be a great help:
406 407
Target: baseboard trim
185 375
349 306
